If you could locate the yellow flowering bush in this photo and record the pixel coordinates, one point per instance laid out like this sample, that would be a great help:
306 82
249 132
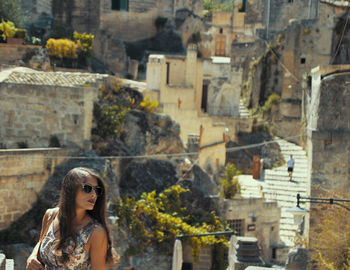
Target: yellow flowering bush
8 29
84 42
159 219
62 48
149 105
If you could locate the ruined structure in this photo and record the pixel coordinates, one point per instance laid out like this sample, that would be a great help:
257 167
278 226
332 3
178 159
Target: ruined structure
35 107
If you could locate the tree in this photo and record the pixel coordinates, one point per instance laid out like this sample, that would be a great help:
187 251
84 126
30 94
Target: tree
11 10
229 185
330 240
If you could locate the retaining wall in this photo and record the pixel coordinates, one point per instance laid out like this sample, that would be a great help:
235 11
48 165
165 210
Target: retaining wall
23 172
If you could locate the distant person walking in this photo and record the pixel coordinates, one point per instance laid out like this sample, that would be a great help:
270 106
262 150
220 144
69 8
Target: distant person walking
290 164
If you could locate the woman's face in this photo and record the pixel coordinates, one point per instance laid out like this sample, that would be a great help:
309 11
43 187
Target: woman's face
83 200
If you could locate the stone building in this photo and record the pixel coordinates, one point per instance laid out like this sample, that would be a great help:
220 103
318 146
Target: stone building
116 22
329 131
176 81
255 218
221 87
38 107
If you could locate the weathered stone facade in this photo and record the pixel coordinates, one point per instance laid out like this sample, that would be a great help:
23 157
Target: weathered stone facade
328 134
33 8
258 219
23 173
12 54
177 83
329 129
37 106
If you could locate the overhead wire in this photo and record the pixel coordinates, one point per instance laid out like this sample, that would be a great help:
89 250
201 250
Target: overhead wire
183 154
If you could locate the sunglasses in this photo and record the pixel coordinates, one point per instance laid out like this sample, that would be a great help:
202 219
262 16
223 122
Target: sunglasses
88 189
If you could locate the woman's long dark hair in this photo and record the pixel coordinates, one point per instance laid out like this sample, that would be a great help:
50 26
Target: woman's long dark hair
70 185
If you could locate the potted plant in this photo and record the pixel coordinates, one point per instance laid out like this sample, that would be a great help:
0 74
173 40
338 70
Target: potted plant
10 33
18 37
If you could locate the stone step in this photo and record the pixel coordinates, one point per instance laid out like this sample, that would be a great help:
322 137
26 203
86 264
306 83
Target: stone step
299 170
6 264
243 111
280 183
2 261
10 264
282 175
276 187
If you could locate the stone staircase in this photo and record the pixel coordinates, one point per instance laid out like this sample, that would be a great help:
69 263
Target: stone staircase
275 186
243 111
6 264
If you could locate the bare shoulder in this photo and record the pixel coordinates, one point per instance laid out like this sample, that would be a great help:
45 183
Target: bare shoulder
98 239
99 232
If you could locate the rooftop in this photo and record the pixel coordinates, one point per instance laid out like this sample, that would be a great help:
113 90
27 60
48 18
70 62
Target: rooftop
33 77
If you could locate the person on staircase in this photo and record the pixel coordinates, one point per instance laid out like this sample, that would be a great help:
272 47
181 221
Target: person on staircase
290 164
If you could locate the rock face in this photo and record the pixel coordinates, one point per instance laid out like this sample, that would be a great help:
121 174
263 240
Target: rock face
243 159
146 176
151 133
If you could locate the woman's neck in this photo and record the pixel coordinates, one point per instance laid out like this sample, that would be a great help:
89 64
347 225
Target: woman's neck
80 217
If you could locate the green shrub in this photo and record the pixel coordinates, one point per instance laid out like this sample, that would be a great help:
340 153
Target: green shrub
112 118
273 99
229 185
84 42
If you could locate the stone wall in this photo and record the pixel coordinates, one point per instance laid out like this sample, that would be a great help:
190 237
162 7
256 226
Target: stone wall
204 260
330 127
31 114
33 8
22 175
10 53
261 220
328 135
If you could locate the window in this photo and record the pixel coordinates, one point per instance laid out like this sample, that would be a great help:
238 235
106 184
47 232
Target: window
302 60
120 5
167 73
274 253
221 30
187 266
220 46
290 1
242 6
237 225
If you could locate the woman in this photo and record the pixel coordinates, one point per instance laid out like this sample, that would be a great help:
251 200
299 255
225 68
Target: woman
75 234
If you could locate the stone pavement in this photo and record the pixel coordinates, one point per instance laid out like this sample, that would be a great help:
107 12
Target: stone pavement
275 186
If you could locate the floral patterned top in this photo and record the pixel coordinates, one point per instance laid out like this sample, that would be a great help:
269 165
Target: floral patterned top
79 258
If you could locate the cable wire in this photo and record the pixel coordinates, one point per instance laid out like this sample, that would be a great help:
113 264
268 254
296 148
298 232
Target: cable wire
184 154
